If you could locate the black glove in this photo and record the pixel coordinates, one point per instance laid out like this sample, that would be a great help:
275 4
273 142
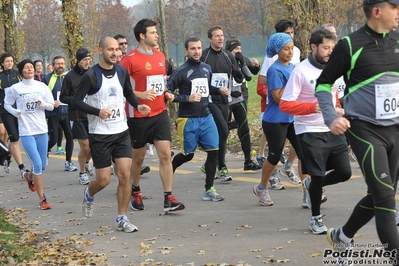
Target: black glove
235 94
240 59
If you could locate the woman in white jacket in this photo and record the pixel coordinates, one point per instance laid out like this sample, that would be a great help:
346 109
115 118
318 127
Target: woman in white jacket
31 98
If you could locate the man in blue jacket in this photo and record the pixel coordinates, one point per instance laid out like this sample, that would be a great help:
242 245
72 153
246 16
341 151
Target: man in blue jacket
59 116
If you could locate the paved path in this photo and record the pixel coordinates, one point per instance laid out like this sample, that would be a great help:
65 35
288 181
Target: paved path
237 231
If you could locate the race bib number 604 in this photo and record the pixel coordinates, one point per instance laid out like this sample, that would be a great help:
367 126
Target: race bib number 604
387 101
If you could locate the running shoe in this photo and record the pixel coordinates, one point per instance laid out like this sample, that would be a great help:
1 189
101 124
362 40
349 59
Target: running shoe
223 175
149 151
145 169
89 169
289 174
203 169
125 225
87 206
251 166
60 151
306 185
6 166
43 205
317 226
211 195
260 159
22 171
336 242
396 217
83 178
172 204
70 167
275 182
282 159
136 201
28 178
304 201
263 195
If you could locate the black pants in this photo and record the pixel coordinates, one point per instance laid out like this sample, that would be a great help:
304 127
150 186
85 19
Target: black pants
53 127
220 113
376 149
240 116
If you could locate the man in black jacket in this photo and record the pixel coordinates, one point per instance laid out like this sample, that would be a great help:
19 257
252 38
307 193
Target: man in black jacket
224 69
78 118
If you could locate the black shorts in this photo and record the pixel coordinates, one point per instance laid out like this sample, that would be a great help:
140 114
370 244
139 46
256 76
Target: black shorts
146 130
106 147
322 151
11 124
80 129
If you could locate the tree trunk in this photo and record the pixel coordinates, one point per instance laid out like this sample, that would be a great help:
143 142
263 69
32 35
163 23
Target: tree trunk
163 44
73 29
10 29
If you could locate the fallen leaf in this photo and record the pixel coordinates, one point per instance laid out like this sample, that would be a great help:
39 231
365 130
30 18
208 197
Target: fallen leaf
316 254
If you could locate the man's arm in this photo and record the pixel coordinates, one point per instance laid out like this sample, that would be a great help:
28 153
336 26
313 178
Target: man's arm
80 93
66 90
337 66
128 91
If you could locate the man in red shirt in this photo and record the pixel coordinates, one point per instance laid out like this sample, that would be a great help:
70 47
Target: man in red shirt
146 67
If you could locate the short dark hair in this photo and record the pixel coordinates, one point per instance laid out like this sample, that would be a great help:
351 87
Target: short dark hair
191 39
317 37
211 30
37 61
3 57
141 27
367 9
283 24
119 36
57 57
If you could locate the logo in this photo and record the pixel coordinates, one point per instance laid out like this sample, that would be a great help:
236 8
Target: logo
112 91
383 175
161 64
148 66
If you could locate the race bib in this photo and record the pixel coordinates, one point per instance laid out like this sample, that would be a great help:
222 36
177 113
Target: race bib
387 101
156 83
220 80
29 103
200 85
116 109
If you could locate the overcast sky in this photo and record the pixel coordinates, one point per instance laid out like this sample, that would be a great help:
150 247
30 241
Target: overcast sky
131 2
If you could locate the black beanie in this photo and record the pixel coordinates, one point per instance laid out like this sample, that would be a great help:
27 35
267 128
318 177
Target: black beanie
23 63
81 53
233 45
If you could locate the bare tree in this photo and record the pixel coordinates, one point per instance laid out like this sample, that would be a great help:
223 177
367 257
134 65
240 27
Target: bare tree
43 29
183 20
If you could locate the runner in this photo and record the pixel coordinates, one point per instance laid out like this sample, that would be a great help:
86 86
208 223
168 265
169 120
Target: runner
146 67
369 61
106 84
195 123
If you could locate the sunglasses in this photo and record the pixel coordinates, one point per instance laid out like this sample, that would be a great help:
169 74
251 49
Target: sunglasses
123 43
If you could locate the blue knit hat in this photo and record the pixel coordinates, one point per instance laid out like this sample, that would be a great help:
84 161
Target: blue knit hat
276 42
